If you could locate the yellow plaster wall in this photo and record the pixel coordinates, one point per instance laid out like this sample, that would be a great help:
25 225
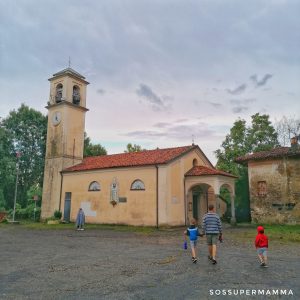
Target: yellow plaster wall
171 188
140 208
69 132
74 119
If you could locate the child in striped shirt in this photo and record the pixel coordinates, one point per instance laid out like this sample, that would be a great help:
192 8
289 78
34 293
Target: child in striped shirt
212 228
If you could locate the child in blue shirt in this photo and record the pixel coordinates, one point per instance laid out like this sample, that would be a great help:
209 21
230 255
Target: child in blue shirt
192 232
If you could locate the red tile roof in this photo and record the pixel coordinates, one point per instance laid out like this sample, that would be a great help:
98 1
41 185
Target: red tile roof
202 170
274 153
142 158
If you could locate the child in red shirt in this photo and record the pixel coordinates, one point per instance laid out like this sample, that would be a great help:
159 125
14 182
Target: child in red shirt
261 244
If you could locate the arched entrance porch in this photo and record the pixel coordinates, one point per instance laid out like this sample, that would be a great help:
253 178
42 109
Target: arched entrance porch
204 186
226 195
199 197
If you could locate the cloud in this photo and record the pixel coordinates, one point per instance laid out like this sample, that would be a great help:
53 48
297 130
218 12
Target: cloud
101 91
215 104
181 120
240 89
241 105
161 125
188 131
145 134
239 109
158 103
176 132
261 82
242 101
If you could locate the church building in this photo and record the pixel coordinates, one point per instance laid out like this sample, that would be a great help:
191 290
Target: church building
150 188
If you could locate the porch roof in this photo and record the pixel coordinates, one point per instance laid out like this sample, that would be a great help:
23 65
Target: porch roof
204 171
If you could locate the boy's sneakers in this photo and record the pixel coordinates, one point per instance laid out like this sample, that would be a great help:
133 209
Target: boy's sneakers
213 261
209 257
194 260
263 265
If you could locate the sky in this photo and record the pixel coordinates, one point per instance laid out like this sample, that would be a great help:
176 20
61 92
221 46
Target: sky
162 73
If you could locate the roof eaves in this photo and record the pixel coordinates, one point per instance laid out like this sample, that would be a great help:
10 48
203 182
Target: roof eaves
229 175
113 167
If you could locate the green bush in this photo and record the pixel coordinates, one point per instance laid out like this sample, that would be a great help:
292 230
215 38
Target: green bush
57 214
2 201
27 212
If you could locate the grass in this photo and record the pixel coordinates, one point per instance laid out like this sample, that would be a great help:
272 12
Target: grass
44 226
284 233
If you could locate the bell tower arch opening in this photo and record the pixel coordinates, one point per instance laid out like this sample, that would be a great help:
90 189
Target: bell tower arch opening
58 94
76 95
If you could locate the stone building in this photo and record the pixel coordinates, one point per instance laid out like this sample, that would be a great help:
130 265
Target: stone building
274 184
153 187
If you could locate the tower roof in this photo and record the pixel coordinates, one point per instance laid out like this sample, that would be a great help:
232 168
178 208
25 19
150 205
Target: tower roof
69 71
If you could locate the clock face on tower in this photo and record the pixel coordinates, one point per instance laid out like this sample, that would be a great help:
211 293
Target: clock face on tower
56 118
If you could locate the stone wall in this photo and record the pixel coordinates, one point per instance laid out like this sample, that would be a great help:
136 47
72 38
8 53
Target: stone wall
275 191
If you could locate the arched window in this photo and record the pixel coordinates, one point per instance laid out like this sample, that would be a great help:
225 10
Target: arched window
138 185
94 186
76 95
58 94
195 162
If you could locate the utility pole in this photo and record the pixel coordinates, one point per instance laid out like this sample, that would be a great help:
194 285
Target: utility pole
16 187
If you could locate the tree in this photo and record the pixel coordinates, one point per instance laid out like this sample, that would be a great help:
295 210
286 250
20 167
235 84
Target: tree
92 149
260 136
7 168
287 128
133 148
234 145
24 132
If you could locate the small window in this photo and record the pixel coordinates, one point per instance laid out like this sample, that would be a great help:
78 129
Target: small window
58 95
122 199
195 162
76 95
94 186
138 185
262 188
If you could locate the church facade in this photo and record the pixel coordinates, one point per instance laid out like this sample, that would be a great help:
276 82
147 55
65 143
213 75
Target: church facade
150 188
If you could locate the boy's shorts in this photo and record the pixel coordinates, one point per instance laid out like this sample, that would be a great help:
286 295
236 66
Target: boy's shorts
262 251
212 239
193 244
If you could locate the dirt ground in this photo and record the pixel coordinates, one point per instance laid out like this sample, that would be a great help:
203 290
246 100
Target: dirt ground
109 264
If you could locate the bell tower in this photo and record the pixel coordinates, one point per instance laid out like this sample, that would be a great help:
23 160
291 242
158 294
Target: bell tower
65 133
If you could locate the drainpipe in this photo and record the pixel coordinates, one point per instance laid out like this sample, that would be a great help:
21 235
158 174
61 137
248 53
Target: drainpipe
233 219
184 199
60 193
156 196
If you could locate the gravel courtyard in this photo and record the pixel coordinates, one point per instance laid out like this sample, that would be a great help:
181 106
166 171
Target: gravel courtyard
110 264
